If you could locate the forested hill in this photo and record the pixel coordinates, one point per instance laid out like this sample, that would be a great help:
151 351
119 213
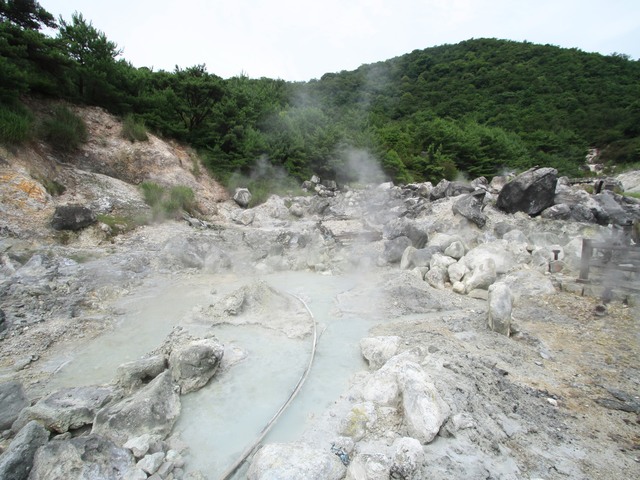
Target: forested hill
487 103
476 107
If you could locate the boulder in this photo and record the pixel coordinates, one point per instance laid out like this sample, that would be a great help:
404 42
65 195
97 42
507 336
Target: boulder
455 250
132 375
399 227
86 457
613 210
528 283
413 257
408 458
243 217
482 276
515 236
393 249
437 277
456 272
470 207
151 463
559 211
369 466
498 251
440 190
17 461
381 388
360 420
377 350
242 196
192 365
153 409
423 408
12 401
530 192
66 409
500 303
72 217
199 252
139 446
295 461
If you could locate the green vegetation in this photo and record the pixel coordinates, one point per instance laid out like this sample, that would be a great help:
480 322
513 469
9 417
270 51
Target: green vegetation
167 203
133 130
120 224
52 187
474 108
15 125
64 130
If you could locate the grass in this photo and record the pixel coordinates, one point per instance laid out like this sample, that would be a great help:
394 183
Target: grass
63 130
167 203
134 130
119 224
16 125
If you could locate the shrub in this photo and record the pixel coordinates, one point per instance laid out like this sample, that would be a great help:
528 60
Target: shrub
64 130
52 187
152 192
15 125
133 130
165 203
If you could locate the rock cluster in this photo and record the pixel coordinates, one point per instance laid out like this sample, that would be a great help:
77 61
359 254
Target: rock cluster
129 421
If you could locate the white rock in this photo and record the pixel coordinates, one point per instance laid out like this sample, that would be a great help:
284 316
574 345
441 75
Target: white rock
424 409
500 307
295 461
377 350
457 271
455 250
360 420
369 467
482 276
151 463
139 446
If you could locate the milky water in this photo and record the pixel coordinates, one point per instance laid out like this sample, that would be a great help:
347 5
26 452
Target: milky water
219 421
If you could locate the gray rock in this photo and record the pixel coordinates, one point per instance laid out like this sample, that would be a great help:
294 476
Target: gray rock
139 446
72 217
88 457
528 283
151 463
500 306
393 249
244 217
17 461
455 250
295 461
470 207
437 277
132 375
456 271
515 236
242 196
560 211
530 192
201 252
66 409
12 401
411 229
192 365
153 409
440 190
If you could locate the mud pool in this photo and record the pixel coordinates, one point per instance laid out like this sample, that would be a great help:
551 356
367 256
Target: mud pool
219 421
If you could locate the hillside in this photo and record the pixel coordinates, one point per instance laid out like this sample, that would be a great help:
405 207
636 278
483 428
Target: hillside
104 174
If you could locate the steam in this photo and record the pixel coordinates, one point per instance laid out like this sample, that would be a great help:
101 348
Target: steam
359 166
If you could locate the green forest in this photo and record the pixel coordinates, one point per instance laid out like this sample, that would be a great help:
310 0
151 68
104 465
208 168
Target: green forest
474 108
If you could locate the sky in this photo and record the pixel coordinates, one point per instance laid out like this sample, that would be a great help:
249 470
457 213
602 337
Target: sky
299 40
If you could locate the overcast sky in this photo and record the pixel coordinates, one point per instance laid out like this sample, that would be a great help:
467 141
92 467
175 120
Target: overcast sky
302 39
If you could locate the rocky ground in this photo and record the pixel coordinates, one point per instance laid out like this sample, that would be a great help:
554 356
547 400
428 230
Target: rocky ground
552 391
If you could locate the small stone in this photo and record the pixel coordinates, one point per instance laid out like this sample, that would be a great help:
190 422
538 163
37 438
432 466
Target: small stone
151 463
552 401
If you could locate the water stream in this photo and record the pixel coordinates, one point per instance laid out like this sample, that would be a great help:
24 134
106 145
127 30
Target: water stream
219 421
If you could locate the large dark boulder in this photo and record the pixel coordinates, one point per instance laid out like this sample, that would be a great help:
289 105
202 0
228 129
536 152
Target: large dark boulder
12 401
530 192
72 217
16 462
470 207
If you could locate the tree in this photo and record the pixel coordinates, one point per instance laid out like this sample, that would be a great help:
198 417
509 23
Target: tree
94 58
27 14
